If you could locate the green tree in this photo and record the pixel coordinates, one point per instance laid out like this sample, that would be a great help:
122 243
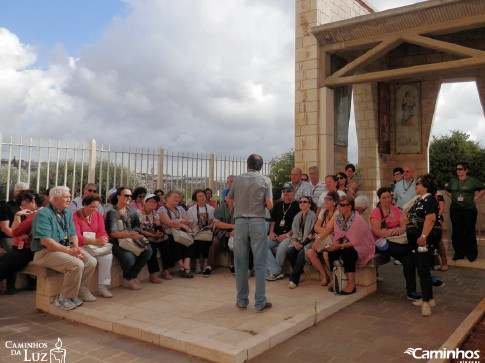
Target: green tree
446 151
280 171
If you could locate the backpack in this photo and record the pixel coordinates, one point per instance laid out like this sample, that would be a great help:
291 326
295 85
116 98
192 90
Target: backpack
340 279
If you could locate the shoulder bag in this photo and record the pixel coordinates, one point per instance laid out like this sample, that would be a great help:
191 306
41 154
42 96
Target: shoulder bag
135 246
93 250
180 235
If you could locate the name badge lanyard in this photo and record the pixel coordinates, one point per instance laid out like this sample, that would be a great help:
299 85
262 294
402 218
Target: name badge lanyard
282 222
460 190
63 223
405 189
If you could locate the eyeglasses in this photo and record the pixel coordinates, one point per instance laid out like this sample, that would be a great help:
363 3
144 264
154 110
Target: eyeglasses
304 201
127 195
343 204
92 190
459 169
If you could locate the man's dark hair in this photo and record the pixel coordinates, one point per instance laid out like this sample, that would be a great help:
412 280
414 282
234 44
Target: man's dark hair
352 166
255 162
398 169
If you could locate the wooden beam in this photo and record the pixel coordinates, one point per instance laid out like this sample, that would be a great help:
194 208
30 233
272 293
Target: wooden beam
367 58
443 46
405 72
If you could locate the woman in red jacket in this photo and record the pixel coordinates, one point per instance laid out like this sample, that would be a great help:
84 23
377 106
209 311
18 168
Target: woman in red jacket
30 203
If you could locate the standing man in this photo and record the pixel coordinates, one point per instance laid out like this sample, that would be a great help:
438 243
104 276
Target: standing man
317 186
302 188
397 175
404 190
56 246
229 181
249 195
77 203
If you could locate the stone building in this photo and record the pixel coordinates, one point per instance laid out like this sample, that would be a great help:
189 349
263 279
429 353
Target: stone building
394 63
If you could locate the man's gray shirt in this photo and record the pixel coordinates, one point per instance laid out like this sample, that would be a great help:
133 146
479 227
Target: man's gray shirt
249 192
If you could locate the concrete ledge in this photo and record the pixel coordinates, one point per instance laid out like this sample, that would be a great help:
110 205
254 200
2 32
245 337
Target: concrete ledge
463 330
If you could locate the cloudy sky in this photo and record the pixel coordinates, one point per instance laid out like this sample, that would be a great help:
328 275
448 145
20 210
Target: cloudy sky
190 76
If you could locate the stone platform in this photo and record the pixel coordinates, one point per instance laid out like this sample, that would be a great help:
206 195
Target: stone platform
199 317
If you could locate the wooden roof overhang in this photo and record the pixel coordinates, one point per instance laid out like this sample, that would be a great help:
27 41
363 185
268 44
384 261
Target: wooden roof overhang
367 42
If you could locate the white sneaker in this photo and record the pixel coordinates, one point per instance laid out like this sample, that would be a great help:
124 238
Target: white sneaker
103 290
85 295
292 285
64 303
198 270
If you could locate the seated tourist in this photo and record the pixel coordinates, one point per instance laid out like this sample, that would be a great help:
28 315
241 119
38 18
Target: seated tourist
353 242
331 185
152 229
77 203
201 218
282 216
90 230
317 255
15 260
161 197
386 223
123 222
302 239
138 196
352 179
341 181
224 223
208 195
55 244
361 204
172 215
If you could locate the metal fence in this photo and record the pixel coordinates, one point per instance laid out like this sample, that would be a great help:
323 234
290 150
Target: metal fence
44 164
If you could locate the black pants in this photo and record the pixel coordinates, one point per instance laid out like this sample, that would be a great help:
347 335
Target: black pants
166 249
181 252
464 238
297 261
401 252
349 257
14 261
202 247
422 261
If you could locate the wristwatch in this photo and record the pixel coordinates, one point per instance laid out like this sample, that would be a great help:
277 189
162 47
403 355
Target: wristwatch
423 235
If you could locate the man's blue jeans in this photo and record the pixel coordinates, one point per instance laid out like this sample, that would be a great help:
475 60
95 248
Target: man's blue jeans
250 233
275 264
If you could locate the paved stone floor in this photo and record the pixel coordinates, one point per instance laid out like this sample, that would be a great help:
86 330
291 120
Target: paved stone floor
377 328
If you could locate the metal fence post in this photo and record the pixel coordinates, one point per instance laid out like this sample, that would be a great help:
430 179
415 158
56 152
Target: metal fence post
160 168
92 162
211 171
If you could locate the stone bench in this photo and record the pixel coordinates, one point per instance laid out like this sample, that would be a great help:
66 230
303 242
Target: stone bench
49 282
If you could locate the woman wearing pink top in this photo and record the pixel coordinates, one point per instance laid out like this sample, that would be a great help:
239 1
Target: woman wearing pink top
90 229
353 242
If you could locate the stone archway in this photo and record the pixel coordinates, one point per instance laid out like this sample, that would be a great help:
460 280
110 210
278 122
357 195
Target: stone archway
422 45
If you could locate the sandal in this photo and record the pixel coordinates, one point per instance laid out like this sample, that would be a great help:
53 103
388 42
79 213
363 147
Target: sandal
325 282
186 273
167 276
155 279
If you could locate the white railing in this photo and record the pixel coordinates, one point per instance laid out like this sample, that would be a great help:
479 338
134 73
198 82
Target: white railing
44 164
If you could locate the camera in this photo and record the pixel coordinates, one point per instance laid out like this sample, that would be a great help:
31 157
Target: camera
422 249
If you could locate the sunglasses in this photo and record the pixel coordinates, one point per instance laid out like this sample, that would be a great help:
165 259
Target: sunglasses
340 177
328 199
459 169
92 190
419 183
127 195
287 191
141 196
304 201
343 204
398 173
